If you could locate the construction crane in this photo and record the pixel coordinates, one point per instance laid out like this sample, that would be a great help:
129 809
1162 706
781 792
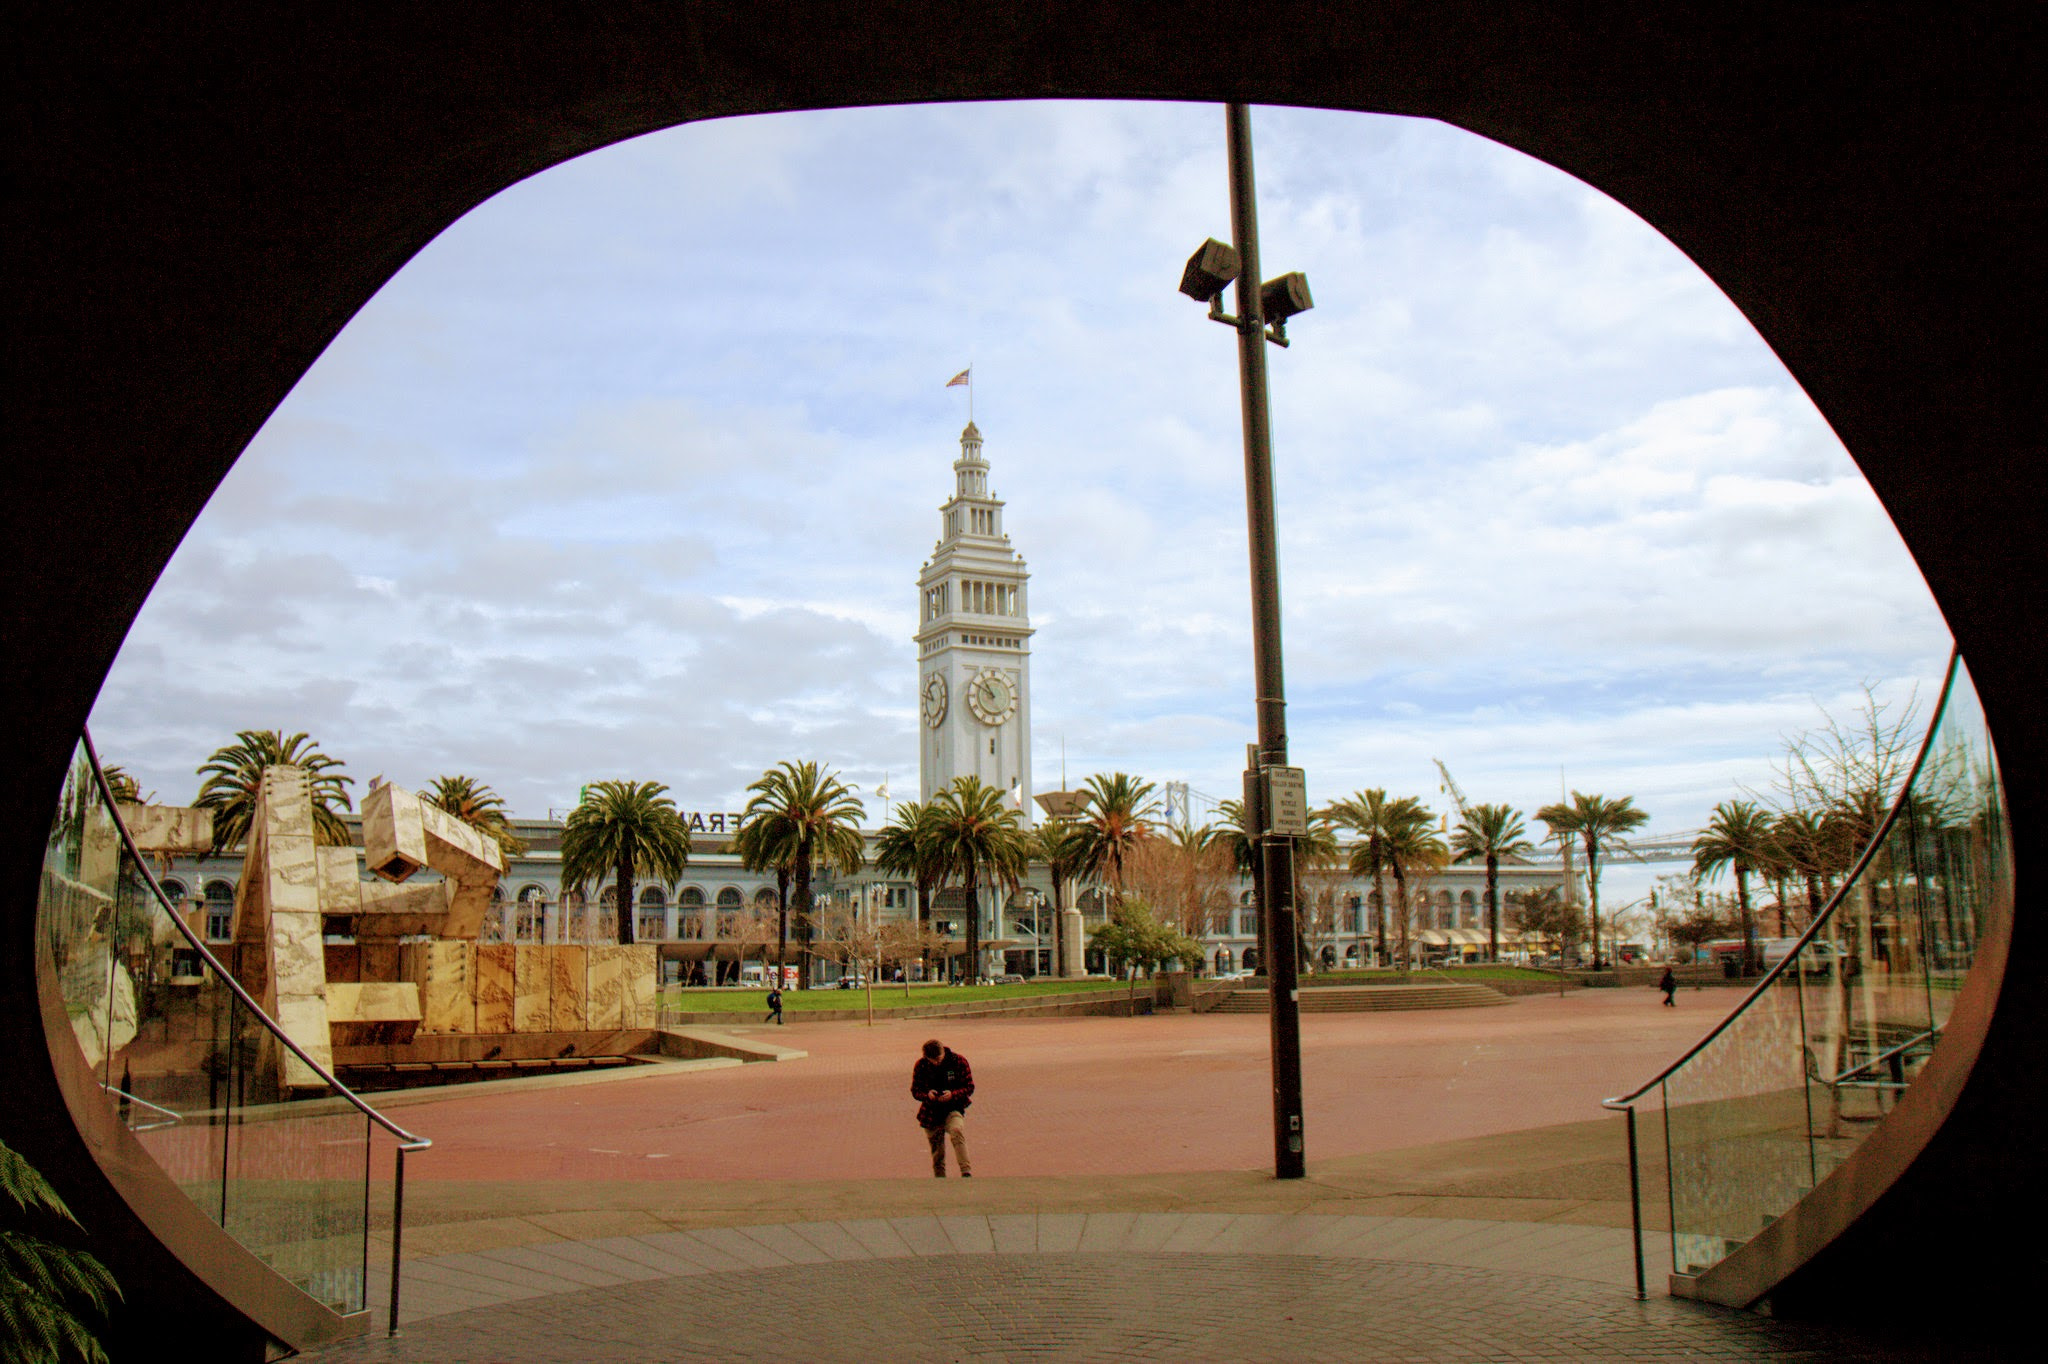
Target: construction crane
1450 788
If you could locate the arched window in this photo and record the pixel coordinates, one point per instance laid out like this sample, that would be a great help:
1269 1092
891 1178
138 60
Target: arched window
691 895
1225 960
765 897
220 911
532 919
729 897
1468 909
653 922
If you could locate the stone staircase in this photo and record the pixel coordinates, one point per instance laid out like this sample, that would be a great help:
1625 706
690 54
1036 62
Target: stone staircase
1330 999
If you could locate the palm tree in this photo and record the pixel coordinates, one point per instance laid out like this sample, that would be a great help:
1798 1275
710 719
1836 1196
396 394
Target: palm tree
234 775
623 829
476 805
126 789
1057 843
1598 823
1804 840
1365 814
767 842
1410 844
820 818
1738 837
904 848
1489 833
1116 815
975 835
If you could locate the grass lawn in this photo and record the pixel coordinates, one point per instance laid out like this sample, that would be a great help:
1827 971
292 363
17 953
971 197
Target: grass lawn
729 1001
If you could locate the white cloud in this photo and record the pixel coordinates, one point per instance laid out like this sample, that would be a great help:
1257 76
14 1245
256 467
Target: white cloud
633 469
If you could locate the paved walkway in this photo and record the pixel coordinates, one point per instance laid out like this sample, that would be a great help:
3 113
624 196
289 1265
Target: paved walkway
1464 1202
1079 1287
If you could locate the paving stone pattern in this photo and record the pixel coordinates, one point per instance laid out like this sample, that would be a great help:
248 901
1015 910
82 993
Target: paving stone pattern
1081 1287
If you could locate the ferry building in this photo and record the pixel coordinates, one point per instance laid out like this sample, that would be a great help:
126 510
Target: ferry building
973 685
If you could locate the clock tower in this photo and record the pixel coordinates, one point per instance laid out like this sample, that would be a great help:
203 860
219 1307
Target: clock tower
974 644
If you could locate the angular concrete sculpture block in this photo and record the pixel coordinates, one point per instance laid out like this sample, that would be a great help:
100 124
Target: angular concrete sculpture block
304 1020
566 987
619 978
442 971
467 907
394 835
389 912
532 1007
174 830
495 968
457 851
380 1014
341 880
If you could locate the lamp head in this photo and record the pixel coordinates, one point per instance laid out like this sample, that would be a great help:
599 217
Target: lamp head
1209 271
1282 298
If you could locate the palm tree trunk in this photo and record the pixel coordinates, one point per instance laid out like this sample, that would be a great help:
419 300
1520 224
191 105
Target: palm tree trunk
1750 963
1492 908
1401 894
625 893
1379 888
973 965
781 923
1593 894
803 910
924 928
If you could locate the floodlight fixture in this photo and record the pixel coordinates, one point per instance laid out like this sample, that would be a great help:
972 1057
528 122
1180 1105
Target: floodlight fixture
1282 298
1210 271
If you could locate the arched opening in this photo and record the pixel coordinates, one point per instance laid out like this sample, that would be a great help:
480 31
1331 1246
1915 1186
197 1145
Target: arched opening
1616 175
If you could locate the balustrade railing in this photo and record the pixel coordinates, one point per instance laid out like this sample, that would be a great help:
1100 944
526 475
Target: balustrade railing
186 1058
1779 1095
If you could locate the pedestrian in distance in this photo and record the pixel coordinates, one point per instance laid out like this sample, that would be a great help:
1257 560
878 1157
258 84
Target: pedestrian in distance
774 1006
943 1084
1669 985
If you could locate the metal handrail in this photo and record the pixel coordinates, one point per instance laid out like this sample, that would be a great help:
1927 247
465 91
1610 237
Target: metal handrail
172 1117
1855 873
1626 1103
1901 1049
408 1142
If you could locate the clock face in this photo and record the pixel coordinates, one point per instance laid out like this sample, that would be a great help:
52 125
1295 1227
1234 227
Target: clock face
935 700
991 697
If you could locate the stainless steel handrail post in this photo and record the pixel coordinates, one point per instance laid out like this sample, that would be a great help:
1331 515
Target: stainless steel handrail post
1635 1190
1635 1203
398 1226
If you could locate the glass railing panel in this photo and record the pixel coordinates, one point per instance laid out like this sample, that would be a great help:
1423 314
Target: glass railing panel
296 1181
80 885
190 1069
1814 1060
1736 1128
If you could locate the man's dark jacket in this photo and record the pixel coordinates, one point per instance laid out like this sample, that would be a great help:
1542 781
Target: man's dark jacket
950 1071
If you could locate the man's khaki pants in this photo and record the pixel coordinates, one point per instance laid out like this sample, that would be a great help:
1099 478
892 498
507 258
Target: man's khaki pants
956 1128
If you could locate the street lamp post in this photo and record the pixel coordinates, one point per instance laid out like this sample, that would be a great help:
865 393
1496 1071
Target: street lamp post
1275 800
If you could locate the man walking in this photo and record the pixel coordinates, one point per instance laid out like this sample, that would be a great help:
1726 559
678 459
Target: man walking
774 1006
943 1085
1669 985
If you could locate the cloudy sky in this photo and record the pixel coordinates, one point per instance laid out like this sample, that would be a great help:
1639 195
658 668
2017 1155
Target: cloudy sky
630 474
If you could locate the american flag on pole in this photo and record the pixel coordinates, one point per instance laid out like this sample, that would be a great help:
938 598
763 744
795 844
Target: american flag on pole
960 378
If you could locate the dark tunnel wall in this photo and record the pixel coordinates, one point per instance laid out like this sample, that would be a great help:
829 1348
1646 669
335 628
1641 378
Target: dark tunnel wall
198 202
